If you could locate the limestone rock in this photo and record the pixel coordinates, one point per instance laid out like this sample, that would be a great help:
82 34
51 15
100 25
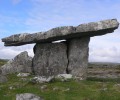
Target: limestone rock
43 87
42 79
67 32
3 79
64 77
28 96
23 74
78 57
50 59
21 63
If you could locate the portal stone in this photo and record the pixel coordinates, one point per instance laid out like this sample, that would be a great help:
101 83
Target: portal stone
50 59
78 57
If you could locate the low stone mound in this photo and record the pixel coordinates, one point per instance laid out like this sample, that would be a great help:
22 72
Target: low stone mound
21 63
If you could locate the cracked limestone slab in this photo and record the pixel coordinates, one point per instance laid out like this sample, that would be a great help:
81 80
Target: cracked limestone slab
66 32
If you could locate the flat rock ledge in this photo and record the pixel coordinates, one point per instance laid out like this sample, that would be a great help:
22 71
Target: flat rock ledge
27 96
66 32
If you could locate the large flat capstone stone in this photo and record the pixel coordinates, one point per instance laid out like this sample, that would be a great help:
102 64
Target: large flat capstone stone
67 32
78 53
50 59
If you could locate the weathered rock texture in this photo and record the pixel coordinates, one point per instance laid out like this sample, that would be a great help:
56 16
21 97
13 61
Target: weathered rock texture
78 57
21 63
89 29
104 70
57 58
27 96
50 59
3 79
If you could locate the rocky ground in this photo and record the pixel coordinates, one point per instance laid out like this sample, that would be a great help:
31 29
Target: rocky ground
104 70
19 86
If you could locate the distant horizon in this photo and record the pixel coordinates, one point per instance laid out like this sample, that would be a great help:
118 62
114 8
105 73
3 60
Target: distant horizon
88 61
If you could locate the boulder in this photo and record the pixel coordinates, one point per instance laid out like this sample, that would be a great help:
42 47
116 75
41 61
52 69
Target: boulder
50 59
27 96
78 57
21 63
66 32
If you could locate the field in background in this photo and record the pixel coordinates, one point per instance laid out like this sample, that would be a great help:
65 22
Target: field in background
104 71
3 61
91 89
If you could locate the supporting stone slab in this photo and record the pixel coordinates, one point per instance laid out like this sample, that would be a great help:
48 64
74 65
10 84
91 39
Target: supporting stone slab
50 59
78 57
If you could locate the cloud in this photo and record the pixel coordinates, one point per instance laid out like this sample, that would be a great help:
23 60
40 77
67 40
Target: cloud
51 13
104 54
105 48
15 2
46 14
11 52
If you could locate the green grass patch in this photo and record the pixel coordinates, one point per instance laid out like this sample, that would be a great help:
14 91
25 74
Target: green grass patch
82 90
104 79
90 89
3 61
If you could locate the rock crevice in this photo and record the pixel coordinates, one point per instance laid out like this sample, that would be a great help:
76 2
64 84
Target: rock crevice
50 59
69 57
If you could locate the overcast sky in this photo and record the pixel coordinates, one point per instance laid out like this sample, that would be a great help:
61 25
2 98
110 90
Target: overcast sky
20 16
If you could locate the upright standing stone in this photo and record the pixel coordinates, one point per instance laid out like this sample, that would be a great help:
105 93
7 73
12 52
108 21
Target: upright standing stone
78 57
50 59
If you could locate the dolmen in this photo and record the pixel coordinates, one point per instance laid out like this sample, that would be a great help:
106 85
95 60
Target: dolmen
69 56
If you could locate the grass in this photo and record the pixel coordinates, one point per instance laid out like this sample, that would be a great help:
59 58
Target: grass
3 61
82 90
90 89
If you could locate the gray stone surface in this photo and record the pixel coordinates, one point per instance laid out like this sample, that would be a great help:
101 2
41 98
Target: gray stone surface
21 63
27 96
50 59
23 74
41 79
78 57
3 79
64 77
89 29
104 70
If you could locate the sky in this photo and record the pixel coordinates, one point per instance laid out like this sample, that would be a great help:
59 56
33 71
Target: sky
21 16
